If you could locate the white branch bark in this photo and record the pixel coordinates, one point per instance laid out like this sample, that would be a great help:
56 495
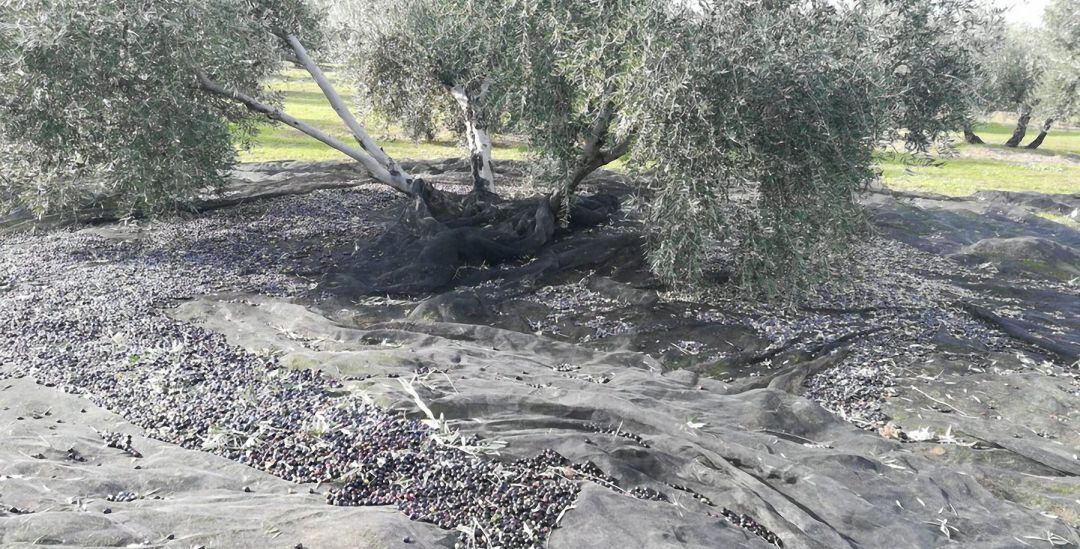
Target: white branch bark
477 138
373 167
342 110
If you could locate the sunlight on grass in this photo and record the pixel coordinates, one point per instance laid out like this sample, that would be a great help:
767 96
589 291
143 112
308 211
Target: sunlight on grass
284 143
305 101
1057 141
964 176
1053 168
1061 220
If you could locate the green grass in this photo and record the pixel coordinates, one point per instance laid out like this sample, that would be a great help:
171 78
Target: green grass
969 173
305 101
1058 141
1053 168
1061 220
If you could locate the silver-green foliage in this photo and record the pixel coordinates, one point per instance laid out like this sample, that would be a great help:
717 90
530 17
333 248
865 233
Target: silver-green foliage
98 98
551 66
404 57
1015 68
1060 90
759 122
753 121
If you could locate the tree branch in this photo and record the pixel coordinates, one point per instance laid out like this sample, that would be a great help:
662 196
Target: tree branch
592 155
618 151
370 164
342 109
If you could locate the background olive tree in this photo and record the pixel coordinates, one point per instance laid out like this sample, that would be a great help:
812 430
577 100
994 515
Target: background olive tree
1032 71
1016 70
99 97
1059 88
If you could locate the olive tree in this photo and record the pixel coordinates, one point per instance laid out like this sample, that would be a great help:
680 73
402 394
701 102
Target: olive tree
1015 71
782 102
784 99
100 97
758 122
984 38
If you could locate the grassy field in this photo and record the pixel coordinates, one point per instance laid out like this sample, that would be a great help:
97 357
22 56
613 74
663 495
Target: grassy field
1053 168
304 101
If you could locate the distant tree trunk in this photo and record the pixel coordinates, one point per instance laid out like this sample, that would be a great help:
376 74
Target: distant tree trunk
970 137
1042 134
1021 127
477 138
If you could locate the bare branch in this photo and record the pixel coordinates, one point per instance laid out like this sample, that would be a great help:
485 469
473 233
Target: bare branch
342 109
370 165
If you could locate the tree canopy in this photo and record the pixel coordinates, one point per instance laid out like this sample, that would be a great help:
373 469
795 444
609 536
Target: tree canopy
97 97
1060 88
790 103
1015 69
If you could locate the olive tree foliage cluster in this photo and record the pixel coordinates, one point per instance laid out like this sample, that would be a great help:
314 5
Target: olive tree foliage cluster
1014 69
1060 87
99 97
788 104
550 70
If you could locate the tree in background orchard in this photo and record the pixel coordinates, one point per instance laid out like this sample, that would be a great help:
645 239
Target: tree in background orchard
1059 89
984 38
1016 71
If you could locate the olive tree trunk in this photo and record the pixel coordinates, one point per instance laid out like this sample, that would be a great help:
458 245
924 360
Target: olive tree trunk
476 137
969 135
593 155
1021 127
440 232
1042 134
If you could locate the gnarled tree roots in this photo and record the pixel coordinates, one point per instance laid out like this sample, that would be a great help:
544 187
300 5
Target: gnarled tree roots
440 233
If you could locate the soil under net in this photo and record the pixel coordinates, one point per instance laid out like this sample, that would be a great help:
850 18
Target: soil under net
441 239
180 383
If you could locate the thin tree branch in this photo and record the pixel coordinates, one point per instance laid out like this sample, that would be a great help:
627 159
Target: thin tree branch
618 151
370 164
342 110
